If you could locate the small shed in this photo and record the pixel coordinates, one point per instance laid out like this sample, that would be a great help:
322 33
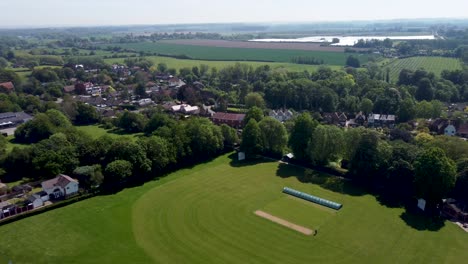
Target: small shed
34 200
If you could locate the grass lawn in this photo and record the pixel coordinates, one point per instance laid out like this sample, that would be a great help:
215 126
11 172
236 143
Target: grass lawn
95 131
205 215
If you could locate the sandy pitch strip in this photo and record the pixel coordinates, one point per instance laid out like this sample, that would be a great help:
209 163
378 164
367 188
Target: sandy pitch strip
298 228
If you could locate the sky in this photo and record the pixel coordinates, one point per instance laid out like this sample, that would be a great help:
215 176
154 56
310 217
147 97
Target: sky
37 13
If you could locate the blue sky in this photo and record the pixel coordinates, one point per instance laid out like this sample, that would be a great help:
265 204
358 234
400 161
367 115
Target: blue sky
119 12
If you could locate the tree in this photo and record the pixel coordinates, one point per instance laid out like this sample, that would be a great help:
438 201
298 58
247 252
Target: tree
158 151
274 135
127 149
327 144
54 156
89 176
366 159
3 63
301 135
131 122
253 113
162 67
85 114
252 142
35 130
425 90
352 61
230 135
461 185
254 99
434 175
158 120
117 171
407 110
366 106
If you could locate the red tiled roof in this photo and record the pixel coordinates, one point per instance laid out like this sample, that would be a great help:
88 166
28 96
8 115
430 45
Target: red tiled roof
7 85
228 116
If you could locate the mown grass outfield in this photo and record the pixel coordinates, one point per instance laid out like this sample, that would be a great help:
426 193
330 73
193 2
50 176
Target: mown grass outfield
237 54
205 214
183 63
430 64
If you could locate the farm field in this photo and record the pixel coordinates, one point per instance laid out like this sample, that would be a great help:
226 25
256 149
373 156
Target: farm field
237 54
205 214
181 63
254 45
430 64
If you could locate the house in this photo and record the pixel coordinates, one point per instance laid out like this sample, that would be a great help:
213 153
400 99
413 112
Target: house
450 130
11 119
335 118
69 88
60 186
438 125
187 109
145 102
377 120
455 210
35 201
463 130
5 208
233 120
281 115
176 82
3 188
206 111
8 86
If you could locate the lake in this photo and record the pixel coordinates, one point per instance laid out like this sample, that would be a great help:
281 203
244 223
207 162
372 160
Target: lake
344 40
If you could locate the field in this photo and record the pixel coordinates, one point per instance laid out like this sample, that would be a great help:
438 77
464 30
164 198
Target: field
180 63
237 54
205 214
430 64
254 45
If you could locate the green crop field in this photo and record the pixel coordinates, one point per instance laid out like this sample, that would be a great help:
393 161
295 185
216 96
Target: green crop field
181 63
205 214
237 54
430 64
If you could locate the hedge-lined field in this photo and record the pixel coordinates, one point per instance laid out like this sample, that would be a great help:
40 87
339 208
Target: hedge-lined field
237 54
181 63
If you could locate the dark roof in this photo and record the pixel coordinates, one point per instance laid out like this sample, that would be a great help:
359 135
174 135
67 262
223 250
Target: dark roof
18 117
61 180
463 129
228 116
7 85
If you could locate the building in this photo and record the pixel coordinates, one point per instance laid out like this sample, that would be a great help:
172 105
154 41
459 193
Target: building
60 186
232 120
11 119
455 210
3 188
463 131
376 120
35 201
450 130
335 118
8 86
281 115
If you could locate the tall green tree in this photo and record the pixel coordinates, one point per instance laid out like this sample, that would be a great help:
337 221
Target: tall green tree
425 90
253 113
254 99
435 175
327 144
117 171
301 135
274 135
252 142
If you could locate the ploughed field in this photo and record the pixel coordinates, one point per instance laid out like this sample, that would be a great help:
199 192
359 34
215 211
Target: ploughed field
205 214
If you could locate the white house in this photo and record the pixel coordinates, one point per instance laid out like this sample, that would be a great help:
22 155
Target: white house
59 186
450 130
281 115
35 200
